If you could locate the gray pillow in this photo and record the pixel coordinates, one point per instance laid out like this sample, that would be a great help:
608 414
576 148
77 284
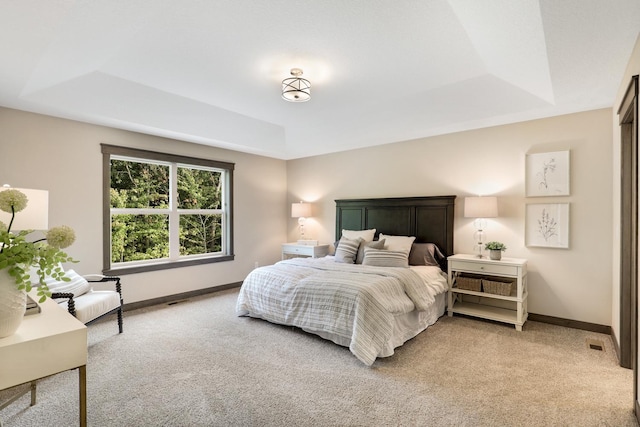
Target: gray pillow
425 254
376 244
385 258
347 250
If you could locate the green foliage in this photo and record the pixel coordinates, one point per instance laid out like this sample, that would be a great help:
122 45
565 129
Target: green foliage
200 234
495 246
199 189
140 185
18 255
139 237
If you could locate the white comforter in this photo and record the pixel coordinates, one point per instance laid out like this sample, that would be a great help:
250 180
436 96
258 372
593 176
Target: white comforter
356 302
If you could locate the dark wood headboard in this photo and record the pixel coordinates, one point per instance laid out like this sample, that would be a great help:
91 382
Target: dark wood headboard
430 219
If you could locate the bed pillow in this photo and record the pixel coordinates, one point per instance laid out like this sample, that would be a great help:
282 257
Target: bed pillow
376 244
425 254
347 250
385 258
398 243
366 235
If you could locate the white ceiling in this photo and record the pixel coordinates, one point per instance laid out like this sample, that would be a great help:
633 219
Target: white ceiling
209 71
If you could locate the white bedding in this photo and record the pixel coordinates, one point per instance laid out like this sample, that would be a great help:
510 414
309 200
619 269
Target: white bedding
371 310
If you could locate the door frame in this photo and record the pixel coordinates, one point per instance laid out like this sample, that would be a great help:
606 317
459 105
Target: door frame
628 121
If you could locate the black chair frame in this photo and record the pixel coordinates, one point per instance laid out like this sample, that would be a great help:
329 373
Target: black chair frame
71 306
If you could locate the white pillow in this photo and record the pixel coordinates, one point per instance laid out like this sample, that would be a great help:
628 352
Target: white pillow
365 235
397 243
77 285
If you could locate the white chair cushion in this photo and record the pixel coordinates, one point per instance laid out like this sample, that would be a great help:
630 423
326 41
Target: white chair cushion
94 304
77 285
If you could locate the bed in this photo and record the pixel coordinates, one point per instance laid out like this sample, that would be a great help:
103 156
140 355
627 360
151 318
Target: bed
375 301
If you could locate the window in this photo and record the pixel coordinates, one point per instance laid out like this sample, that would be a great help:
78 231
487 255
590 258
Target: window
164 211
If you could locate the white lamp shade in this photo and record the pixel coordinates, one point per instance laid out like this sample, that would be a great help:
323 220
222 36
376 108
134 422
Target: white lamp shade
35 216
480 207
300 210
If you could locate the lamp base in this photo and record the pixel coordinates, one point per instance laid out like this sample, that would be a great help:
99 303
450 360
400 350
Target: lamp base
477 250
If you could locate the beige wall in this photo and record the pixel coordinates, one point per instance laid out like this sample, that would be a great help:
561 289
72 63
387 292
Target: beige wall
64 157
574 283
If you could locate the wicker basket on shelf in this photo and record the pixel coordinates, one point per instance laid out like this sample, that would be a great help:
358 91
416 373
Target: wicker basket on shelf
469 282
498 286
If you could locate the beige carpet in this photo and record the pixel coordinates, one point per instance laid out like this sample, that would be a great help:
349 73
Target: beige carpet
196 364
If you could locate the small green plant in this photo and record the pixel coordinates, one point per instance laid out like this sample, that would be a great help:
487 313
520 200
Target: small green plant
495 246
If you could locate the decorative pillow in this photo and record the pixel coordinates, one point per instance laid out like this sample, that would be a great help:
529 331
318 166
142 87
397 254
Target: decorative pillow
425 254
347 250
398 243
366 235
77 285
385 258
376 244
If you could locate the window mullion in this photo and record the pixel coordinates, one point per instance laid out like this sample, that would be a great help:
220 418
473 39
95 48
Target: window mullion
174 216
225 212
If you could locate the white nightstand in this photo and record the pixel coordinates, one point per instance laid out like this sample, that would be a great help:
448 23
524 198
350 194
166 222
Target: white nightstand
503 308
296 249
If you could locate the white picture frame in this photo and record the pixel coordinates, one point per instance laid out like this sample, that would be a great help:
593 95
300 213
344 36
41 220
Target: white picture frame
547 174
547 225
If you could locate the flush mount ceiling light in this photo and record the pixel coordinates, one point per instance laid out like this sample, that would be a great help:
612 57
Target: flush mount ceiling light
296 89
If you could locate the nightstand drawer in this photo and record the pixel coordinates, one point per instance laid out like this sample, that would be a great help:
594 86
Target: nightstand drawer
297 249
476 267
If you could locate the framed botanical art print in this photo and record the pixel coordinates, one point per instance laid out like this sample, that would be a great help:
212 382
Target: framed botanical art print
547 225
547 174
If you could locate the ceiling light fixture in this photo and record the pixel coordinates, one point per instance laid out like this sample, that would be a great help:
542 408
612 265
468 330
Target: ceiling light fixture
296 89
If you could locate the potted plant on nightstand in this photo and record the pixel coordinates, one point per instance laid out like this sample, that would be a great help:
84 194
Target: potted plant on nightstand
495 250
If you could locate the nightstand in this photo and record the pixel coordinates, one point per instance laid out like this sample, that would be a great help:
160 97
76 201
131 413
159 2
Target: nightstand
297 250
510 308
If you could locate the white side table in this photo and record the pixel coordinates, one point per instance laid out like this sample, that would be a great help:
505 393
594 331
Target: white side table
46 343
502 308
297 250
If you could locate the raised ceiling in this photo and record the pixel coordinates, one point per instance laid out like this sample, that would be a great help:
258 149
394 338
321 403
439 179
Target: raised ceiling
381 71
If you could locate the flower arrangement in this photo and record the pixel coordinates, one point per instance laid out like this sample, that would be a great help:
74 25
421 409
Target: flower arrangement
495 246
18 255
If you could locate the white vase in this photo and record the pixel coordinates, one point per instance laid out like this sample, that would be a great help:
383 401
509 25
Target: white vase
12 305
495 254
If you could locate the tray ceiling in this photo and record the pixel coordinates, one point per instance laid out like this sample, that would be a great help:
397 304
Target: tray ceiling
381 71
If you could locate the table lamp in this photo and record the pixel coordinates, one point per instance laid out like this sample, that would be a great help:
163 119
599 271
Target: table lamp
301 211
480 208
